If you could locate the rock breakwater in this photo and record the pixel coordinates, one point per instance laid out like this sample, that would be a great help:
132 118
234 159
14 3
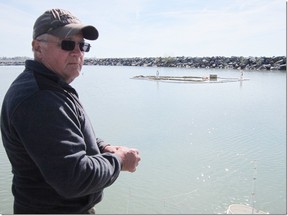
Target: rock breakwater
220 62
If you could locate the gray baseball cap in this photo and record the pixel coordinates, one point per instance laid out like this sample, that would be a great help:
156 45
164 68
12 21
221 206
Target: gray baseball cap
62 23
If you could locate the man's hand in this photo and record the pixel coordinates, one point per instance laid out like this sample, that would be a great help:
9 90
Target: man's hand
129 156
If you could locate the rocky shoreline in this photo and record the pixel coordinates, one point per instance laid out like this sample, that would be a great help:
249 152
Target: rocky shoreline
219 62
244 63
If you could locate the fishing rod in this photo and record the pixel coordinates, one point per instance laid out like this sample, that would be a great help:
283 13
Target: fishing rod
253 194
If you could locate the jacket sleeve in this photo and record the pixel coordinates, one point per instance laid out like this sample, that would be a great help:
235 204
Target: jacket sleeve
48 125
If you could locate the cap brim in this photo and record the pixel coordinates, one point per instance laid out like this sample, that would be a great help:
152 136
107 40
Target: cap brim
89 32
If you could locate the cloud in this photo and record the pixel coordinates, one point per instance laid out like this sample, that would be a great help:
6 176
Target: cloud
156 28
14 33
235 28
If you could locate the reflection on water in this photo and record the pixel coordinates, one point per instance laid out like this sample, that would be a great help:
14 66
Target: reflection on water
198 143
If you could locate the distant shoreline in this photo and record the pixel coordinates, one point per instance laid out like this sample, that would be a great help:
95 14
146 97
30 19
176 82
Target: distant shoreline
217 62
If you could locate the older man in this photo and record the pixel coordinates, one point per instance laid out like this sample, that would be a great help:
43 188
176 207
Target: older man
59 165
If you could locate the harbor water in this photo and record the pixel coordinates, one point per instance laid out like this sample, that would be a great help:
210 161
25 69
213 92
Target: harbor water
203 146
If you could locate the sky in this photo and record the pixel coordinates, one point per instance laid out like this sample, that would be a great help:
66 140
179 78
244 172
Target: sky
158 28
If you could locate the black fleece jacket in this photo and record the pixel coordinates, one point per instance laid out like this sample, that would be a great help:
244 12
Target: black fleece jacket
56 158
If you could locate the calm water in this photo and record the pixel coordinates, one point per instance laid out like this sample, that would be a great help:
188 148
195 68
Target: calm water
201 144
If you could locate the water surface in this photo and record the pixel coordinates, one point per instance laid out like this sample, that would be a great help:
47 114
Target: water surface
201 144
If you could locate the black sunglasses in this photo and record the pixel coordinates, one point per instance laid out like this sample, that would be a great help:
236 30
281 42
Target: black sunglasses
69 45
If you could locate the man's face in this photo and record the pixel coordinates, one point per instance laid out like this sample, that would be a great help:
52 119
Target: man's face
67 64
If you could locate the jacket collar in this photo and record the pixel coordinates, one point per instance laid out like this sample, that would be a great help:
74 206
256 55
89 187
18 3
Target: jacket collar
42 70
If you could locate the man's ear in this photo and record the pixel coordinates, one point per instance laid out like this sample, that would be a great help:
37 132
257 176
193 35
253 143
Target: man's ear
36 48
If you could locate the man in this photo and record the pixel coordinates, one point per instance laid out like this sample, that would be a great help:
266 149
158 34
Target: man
58 164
